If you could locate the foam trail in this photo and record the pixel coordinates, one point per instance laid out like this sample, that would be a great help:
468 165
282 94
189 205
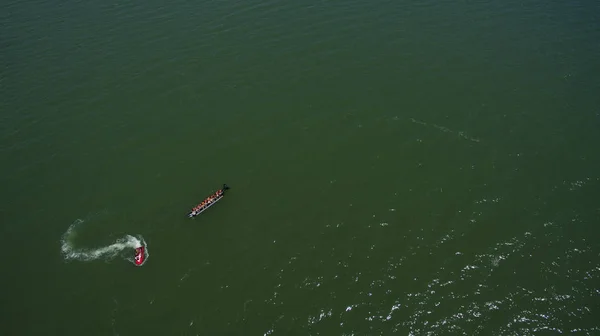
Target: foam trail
128 242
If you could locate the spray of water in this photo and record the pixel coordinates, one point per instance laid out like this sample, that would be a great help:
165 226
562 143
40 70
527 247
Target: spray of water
127 243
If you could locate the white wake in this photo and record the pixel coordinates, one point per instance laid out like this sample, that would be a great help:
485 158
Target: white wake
127 243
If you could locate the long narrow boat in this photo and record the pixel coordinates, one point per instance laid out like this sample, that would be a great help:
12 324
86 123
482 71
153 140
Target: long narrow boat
208 202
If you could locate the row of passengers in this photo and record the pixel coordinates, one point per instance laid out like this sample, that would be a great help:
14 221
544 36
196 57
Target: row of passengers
207 201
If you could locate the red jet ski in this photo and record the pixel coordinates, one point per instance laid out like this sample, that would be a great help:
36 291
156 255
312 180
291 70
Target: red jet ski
140 256
208 202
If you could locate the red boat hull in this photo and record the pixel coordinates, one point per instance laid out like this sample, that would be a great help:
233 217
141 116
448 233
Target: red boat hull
140 256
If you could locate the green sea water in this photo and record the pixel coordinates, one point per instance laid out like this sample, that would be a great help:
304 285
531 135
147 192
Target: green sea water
396 167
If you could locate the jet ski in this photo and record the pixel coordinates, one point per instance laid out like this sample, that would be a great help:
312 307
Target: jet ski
140 256
208 202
